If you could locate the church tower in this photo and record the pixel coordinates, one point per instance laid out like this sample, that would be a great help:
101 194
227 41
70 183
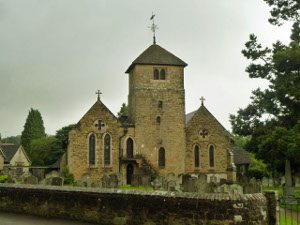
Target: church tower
156 108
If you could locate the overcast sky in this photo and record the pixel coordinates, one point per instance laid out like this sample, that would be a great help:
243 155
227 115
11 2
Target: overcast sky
54 54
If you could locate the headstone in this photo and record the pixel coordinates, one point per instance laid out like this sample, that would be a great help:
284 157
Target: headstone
146 180
213 179
57 181
39 173
297 181
85 181
11 180
289 196
105 181
171 185
202 185
282 180
265 182
271 182
53 173
113 181
30 180
157 184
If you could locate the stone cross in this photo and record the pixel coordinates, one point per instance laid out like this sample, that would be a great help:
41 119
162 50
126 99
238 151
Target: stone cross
153 27
202 100
99 93
99 124
203 133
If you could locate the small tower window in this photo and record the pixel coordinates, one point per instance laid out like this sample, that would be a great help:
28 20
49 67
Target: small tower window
211 156
161 157
160 105
196 154
162 74
158 120
156 74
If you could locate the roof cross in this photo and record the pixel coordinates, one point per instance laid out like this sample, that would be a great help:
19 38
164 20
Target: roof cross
99 93
202 100
153 27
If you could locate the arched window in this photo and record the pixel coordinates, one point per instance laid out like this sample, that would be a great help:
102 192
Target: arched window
107 149
197 156
156 74
162 74
158 120
160 105
211 156
129 148
92 149
161 157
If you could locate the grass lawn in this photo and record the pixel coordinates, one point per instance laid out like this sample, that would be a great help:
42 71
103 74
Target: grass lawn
287 221
139 188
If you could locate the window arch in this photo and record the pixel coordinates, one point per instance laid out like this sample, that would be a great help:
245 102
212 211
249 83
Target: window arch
107 150
162 74
92 149
129 148
156 74
197 156
211 156
161 157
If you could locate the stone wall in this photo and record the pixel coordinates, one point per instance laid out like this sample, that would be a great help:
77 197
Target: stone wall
135 208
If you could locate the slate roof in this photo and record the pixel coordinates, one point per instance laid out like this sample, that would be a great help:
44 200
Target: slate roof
156 55
240 156
190 115
9 151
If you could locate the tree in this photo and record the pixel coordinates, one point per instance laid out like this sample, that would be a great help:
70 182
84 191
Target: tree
123 110
12 139
33 129
272 118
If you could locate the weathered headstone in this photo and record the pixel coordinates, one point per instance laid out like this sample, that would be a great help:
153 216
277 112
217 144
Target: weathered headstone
297 181
105 181
157 184
113 181
202 185
52 174
57 181
289 196
171 185
30 180
265 182
85 181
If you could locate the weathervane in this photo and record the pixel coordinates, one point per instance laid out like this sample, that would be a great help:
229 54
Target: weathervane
153 27
202 100
98 93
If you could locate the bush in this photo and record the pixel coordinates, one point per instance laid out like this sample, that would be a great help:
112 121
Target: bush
68 177
3 178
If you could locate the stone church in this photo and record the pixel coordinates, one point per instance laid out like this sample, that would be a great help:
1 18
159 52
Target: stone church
157 137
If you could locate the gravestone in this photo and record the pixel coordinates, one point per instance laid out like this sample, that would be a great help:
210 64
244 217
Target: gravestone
282 180
265 182
30 180
297 181
53 173
146 180
85 181
213 179
105 181
201 184
157 184
113 181
171 185
289 196
11 180
39 173
57 181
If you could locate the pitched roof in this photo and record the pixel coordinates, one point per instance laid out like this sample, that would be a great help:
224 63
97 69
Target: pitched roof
9 151
156 55
2 153
240 156
203 109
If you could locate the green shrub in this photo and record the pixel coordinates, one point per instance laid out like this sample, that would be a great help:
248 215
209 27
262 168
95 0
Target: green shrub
68 177
3 178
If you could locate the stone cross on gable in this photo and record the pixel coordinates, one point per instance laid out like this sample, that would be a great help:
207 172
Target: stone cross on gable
202 100
203 133
99 93
99 124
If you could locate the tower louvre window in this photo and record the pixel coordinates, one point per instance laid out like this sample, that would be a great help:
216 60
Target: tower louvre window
156 74
162 74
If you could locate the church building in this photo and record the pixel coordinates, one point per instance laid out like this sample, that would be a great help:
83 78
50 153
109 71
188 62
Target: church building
157 136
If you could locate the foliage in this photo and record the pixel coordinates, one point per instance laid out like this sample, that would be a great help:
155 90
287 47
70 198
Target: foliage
123 110
44 151
272 118
62 136
3 178
12 139
33 129
241 141
68 177
257 169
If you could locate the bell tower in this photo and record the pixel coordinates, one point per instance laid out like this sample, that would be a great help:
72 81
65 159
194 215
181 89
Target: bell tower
156 108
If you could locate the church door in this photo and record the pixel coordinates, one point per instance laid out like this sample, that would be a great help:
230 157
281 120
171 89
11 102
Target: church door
129 173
